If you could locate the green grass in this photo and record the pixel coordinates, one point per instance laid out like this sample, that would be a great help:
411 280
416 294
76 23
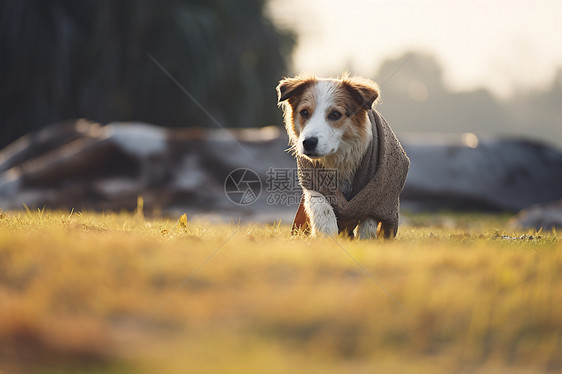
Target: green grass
117 293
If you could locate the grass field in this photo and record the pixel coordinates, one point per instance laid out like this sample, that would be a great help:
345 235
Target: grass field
117 293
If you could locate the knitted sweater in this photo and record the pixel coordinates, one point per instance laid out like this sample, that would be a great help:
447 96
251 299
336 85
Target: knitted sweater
376 185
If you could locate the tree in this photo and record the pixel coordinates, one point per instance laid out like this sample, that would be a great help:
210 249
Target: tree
64 59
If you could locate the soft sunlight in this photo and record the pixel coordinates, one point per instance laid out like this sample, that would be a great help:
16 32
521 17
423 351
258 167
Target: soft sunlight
504 46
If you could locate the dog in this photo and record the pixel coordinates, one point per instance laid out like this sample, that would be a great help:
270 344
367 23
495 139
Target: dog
334 130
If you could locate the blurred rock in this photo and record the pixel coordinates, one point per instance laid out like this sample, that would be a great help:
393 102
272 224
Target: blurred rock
468 173
84 165
545 216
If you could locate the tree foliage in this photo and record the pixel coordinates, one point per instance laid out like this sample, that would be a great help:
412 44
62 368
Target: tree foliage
63 59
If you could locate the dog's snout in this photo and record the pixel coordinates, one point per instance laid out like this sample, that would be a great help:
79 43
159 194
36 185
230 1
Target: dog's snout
310 143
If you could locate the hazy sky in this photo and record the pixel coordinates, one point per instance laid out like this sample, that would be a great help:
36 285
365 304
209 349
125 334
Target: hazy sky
502 45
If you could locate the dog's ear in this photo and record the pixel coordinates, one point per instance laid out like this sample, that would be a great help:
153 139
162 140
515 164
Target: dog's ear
290 87
363 91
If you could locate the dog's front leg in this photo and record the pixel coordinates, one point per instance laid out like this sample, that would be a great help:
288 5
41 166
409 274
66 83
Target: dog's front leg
367 228
322 217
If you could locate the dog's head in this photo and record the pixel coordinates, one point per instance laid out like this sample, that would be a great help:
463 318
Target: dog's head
321 114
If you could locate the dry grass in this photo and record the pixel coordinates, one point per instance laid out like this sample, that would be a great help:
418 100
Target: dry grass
113 294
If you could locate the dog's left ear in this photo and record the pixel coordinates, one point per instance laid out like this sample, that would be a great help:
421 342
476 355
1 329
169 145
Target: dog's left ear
364 91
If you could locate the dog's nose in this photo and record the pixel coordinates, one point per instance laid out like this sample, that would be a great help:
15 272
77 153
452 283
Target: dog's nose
310 143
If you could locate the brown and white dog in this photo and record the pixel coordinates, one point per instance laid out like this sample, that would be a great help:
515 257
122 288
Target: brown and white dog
329 127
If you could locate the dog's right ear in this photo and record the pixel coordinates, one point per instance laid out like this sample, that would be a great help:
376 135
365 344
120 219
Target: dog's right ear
290 87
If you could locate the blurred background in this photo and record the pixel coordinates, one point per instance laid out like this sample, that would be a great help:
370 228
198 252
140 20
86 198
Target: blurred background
89 59
485 67
474 90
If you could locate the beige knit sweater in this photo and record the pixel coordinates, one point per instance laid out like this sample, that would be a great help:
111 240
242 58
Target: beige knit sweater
376 186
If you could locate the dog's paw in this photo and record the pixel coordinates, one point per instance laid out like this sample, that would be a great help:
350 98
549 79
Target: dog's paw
367 229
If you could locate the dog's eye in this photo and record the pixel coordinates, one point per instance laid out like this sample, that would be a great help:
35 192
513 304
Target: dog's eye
334 115
304 113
